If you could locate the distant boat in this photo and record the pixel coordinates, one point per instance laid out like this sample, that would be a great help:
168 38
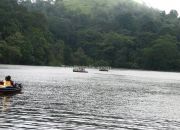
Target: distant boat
104 68
80 69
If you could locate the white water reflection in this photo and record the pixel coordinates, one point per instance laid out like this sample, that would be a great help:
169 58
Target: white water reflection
57 98
5 103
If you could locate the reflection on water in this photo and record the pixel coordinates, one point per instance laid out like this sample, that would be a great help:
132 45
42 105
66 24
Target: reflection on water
5 103
57 98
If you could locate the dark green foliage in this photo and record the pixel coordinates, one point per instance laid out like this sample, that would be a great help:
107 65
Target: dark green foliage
163 54
118 33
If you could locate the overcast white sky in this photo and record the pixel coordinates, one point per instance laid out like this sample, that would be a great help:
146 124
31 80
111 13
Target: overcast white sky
166 5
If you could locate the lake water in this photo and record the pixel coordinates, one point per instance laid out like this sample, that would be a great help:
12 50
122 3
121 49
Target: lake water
56 98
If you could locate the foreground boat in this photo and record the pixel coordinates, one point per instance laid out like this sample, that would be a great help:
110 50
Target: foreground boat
11 89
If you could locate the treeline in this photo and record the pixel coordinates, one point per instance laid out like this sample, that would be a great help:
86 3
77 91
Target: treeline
89 32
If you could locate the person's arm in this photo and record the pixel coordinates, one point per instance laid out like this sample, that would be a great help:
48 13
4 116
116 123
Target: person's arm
1 82
12 83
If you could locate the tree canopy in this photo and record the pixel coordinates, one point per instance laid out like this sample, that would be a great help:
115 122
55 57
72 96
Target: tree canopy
118 33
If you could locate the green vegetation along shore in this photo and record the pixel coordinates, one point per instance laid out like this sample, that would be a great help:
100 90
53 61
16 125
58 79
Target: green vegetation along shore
121 33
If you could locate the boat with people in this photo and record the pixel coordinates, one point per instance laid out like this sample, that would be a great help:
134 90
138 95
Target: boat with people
16 88
80 69
104 68
9 87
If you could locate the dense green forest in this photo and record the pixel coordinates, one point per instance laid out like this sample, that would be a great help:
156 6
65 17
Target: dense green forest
117 33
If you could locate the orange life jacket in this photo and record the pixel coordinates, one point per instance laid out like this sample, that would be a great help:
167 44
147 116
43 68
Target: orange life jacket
7 83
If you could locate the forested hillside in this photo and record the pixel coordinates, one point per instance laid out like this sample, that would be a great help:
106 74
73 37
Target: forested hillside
118 33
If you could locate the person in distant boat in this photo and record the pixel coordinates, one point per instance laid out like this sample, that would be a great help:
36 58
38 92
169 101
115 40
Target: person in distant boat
8 81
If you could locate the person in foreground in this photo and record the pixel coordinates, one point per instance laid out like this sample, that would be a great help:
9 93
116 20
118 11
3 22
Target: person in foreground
8 82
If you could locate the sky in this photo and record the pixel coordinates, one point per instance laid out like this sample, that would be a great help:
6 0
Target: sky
166 5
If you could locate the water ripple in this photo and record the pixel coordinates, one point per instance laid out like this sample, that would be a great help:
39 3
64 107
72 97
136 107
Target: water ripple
56 98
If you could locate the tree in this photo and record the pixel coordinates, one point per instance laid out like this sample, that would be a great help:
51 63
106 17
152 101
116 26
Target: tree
9 54
173 14
80 58
163 55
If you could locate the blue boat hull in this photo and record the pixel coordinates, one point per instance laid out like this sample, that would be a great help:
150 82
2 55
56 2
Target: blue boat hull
11 89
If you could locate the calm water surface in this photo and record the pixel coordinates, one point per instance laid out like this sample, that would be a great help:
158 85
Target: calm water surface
56 98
